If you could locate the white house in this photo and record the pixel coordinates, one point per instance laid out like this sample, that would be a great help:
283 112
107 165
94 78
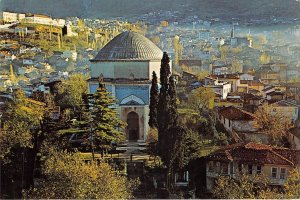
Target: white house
70 55
236 119
23 49
12 17
10 57
45 20
220 87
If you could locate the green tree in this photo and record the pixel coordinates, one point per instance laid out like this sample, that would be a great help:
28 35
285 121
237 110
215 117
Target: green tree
172 107
22 134
105 121
164 99
68 177
292 185
202 98
18 119
264 58
70 93
154 95
183 146
273 124
243 187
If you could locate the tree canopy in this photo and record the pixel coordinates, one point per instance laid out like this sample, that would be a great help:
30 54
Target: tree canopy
68 177
273 124
154 97
105 123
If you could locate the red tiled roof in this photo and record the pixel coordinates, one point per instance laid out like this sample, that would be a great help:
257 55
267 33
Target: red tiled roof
257 154
251 96
234 113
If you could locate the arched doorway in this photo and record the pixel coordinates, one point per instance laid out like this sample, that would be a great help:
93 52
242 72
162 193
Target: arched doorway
133 126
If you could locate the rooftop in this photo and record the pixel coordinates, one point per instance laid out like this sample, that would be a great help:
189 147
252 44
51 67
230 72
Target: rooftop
129 46
257 153
234 113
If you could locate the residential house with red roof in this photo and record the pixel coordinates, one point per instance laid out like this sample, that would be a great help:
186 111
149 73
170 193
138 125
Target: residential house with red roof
236 120
252 159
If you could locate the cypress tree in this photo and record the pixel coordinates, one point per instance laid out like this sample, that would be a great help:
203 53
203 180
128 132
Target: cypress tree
172 111
154 96
163 103
105 121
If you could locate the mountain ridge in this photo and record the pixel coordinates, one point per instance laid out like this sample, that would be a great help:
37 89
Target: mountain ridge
227 9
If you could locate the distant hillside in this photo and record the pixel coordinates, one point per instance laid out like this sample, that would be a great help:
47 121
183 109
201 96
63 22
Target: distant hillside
258 9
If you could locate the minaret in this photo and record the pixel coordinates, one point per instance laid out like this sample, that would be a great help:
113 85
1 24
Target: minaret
232 32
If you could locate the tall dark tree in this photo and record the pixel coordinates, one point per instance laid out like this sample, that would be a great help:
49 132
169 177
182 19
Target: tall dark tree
172 116
183 145
105 122
163 103
154 97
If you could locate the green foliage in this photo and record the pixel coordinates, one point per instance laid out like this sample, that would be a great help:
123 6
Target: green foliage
105 122
243 187
18 120
164 98
272 124
172 110
201 98
70 93
222 139
68 177
292 185
256 187
154 96
180 147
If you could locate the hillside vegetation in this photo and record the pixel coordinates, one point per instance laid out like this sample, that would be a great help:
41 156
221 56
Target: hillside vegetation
225 9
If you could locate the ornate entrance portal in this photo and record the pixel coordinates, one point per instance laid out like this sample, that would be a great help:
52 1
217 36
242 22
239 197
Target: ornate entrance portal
133 126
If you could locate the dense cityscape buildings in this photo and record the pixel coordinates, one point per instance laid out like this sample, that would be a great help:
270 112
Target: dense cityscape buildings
157 105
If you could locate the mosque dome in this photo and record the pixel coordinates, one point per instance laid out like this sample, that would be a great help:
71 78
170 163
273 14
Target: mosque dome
129 46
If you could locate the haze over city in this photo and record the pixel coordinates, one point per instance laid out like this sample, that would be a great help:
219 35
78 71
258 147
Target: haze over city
139 99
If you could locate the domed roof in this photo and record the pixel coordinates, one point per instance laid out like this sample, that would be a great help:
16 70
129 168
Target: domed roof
129 46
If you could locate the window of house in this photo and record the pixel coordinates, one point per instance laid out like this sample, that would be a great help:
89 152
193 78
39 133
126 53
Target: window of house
258 169
211 166
250 169
282 173
224 168
218 167
231 168
240 167
274 172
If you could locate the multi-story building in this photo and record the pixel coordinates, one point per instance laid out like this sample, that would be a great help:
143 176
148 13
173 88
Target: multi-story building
252 159
221 88
45 20
12 17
